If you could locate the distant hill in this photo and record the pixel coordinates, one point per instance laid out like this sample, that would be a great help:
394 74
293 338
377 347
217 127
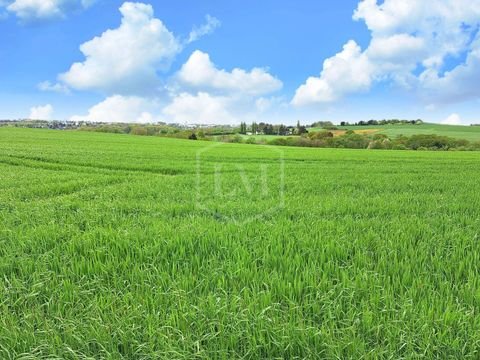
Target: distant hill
471 133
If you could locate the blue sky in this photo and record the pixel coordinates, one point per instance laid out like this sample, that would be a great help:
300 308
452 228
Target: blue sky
229 61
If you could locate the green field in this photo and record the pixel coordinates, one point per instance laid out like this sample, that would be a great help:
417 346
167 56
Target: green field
119 246
264 137
471 133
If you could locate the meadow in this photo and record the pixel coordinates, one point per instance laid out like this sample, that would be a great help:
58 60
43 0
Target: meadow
119 246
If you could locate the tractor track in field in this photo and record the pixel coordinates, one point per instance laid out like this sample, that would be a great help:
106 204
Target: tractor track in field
41 163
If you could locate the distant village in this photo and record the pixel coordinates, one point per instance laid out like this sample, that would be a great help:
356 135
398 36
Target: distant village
160 127
72 125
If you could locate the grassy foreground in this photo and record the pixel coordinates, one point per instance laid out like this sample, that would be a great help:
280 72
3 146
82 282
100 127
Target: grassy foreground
117 246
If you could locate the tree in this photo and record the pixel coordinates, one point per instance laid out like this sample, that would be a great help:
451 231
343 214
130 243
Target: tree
322 124
243 128
301 129
268 129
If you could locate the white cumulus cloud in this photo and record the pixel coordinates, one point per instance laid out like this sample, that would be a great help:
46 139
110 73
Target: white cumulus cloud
458 84
200 93
348 71
31 10
396 48
129 59
126 64
43 112
410 43
200 108
118 108
200 72
203 93
453 119
126 59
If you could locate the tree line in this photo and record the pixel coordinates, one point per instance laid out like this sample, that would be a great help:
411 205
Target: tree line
271 129
352 140
382 122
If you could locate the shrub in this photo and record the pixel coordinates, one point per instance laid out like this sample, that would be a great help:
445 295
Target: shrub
330 127
376 145
237 139
278 141
138 130
379 137
354 141
320 135
429 141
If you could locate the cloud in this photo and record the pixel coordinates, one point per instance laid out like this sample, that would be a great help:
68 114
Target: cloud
58 88
33 10
125 60
348 71
125 63
3 12
459 84
200 93
211 24
398 48
453 119
411 42
200 73
125 109
44 112
200 108
263 104
394 16
128 60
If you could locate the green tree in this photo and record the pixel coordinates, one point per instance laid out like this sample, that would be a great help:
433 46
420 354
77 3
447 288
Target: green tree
243 128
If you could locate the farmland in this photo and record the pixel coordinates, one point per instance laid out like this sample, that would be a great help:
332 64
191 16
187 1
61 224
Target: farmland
471 133
121 246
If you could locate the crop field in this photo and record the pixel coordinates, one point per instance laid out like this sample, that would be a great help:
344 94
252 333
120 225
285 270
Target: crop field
471 133
121 246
